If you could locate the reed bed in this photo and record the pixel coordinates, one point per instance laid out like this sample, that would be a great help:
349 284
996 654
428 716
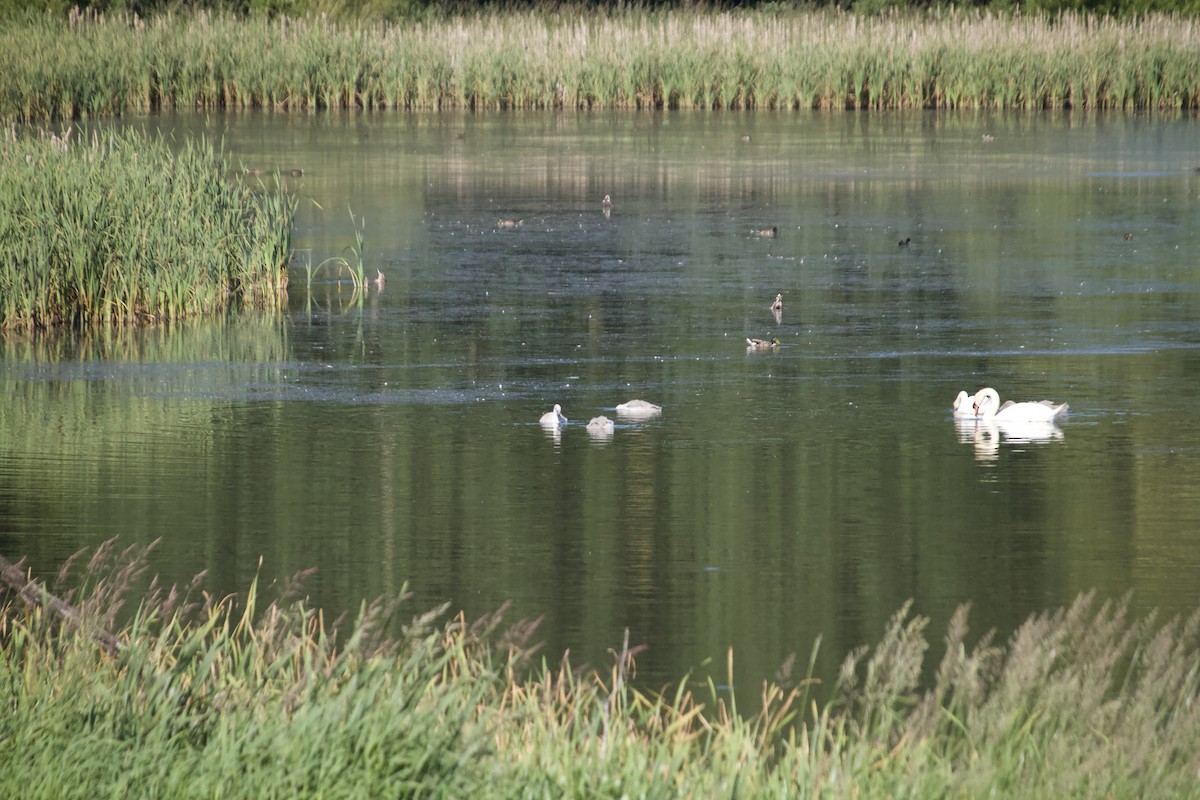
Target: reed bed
635 58
196 696
119 227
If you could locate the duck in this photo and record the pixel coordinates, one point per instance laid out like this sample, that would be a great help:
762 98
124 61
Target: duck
509 223
746 138
553 418
778 304
600 424
379 280
987 406
606 202
638 408
296 172
905 242
762 344
1129 237
767 233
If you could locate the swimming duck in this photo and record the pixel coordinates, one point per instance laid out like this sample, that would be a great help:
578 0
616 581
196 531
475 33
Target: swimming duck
767 233
987 406
379 280
509 223
296 172
638 408
905 242
606 202
778 304
553 418
746 138
762 344
600 424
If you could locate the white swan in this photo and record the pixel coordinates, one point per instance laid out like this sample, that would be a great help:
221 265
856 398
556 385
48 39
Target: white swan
964 406
638 408
987 406
600 424
552 419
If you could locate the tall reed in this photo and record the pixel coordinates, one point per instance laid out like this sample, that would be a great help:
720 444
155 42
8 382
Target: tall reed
633 57
118 227
213 697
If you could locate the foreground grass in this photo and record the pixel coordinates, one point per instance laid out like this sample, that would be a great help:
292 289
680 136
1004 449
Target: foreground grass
204 697
120 227
92 66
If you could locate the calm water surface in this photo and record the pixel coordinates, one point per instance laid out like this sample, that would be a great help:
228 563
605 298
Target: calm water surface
806 491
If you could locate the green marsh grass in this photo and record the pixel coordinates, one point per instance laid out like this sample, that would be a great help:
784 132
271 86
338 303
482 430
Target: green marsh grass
632 57
119 227
238 697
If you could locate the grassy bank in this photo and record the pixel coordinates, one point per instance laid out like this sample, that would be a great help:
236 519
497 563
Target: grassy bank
120 227
94 66
206 697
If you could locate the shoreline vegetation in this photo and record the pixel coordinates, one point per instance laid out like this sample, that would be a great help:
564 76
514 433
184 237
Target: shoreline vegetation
199 696
119 227
92 65
122 229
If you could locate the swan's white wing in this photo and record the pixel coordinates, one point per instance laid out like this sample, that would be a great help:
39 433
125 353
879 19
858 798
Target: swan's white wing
1029 412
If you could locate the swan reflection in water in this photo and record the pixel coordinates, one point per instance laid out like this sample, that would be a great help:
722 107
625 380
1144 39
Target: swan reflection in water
986 434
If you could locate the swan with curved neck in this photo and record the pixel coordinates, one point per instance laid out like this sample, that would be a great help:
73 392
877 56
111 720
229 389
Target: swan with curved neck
964 406
987 406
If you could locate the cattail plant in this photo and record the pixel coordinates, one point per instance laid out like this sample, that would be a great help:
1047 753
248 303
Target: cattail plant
631 58
120 227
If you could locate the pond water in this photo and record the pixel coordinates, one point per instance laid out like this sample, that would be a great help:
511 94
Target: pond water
805 491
